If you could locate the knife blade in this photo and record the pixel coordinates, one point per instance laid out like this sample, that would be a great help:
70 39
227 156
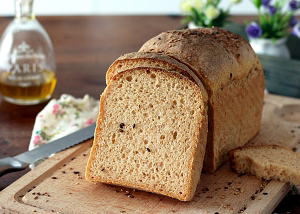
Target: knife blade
21 161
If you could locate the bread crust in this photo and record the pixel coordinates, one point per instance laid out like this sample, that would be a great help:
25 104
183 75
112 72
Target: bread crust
214 54
195 161
142 59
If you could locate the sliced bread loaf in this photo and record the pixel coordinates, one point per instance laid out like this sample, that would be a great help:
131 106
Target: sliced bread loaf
233 77
268 162
153 60
151 133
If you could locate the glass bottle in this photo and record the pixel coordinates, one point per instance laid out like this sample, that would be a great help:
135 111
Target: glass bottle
27 60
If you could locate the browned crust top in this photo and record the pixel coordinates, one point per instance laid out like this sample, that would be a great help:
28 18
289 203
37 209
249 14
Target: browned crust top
216 55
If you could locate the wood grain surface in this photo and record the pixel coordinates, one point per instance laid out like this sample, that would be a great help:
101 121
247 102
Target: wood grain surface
85 46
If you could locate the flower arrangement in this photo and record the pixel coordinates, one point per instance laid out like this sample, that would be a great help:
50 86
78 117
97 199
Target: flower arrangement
274 19
205 13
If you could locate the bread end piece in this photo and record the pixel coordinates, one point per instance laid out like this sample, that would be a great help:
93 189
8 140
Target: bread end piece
267 162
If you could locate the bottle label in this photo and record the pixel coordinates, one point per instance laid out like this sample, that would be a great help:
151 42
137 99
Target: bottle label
29 61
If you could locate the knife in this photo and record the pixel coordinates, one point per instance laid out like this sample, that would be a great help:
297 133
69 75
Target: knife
22 161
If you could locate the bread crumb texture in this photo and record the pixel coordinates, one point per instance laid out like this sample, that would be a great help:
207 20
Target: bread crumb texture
147 133
268 162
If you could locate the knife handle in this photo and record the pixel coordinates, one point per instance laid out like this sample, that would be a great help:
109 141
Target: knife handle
10 164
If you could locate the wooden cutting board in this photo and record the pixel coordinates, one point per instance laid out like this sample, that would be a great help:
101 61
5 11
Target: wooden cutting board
58 184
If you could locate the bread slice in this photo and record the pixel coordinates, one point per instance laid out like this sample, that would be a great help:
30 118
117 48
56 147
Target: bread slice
233 77
268 162
151 133
153 60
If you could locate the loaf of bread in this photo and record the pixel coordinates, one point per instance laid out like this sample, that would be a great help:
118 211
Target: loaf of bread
179 104
233 77
268 162
151 133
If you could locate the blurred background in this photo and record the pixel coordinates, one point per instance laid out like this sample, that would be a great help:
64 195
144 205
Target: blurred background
115 7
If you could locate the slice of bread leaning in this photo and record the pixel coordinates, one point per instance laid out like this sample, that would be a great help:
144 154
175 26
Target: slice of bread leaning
268 162
151 133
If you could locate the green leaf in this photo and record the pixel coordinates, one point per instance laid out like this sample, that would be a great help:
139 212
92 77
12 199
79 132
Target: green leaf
280 34
186 20
286 18
264 35
262 20
276 17
195 14
220 20
257 3
200 23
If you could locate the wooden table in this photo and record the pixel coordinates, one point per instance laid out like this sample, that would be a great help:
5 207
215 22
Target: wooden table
85 46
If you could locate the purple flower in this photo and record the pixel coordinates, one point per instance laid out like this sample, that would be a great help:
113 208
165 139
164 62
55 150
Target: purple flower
293 21
296 31
265 3
272 9
253 30
293 5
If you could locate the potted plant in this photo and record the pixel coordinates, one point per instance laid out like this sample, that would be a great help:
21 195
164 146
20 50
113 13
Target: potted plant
205 13
269 34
